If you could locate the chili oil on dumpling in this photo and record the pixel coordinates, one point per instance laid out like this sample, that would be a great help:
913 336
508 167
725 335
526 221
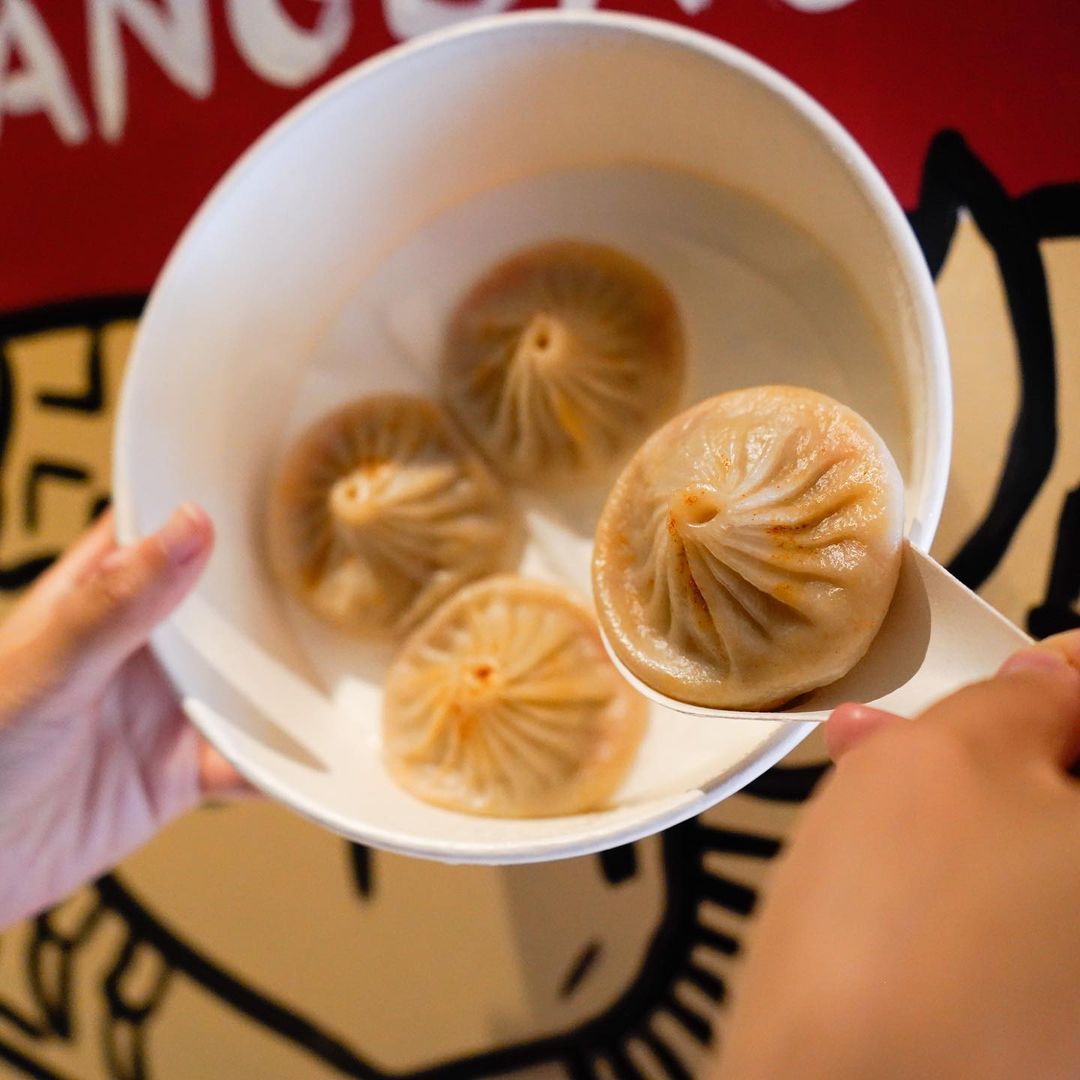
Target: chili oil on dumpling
504 703
561 359
380 510
750 550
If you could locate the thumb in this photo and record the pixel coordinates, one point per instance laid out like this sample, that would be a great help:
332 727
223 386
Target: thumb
111 610
851 724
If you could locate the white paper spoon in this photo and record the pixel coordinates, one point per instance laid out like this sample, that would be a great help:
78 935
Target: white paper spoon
937 636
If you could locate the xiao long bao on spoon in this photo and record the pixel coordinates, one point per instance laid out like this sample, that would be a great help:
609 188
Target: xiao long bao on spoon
751 557
750 550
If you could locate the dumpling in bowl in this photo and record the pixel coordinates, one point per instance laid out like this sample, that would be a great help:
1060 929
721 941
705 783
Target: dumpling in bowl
505 703
749 551
380 511
562 359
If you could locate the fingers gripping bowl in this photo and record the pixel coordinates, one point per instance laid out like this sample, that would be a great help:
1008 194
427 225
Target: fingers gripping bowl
788 259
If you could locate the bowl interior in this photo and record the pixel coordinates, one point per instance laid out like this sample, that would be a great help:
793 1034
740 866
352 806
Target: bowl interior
323 268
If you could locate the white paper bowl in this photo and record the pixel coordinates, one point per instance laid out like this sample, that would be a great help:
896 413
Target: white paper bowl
455 149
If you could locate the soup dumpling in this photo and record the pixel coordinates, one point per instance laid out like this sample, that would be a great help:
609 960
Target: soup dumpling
749 551
505 703
380 510
562 359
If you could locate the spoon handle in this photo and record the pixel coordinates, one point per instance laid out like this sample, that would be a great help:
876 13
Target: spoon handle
968 638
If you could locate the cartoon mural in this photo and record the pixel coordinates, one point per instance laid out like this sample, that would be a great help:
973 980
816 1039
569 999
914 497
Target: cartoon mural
245 942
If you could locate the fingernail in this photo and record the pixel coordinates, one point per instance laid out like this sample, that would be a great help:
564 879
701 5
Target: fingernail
1035 660
183 536
859 713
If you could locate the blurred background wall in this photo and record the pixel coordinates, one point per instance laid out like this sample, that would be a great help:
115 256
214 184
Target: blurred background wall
244 942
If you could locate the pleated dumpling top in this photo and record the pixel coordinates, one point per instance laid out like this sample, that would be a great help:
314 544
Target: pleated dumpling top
749 551
505 703
380 511
561 359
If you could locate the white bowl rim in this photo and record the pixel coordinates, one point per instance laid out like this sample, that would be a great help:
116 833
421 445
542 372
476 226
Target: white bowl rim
507 853
928 320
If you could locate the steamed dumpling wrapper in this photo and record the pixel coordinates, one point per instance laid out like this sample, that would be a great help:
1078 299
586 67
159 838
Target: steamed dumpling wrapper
561 359
749 551
505 703
380 511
